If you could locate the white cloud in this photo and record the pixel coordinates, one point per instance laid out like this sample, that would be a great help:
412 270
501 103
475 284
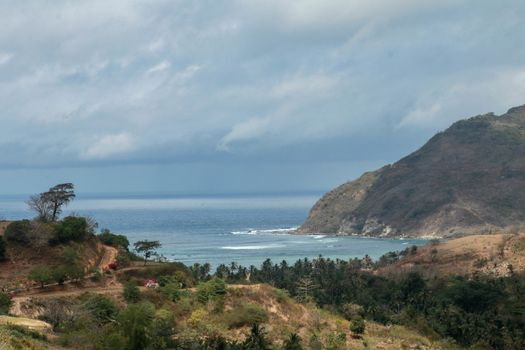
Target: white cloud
246 130
110 145
5 58
159 67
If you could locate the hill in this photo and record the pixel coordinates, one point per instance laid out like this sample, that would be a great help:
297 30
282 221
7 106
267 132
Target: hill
467 179
496 255
28 247
279 315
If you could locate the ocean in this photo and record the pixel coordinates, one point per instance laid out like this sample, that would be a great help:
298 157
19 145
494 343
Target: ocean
218 229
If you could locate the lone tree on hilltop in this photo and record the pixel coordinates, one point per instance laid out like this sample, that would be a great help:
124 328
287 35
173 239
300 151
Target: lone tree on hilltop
48 205
147 248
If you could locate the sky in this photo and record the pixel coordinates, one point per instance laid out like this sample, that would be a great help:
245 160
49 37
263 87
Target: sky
212 97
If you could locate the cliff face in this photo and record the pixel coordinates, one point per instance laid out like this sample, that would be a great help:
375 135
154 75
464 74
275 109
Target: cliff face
467 179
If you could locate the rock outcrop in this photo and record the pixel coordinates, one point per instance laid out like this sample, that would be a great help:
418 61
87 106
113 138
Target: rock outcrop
467 179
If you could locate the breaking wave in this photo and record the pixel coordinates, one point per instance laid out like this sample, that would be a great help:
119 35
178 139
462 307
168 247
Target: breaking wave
253 247
263 232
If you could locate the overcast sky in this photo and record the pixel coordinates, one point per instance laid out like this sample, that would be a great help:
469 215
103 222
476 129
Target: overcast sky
241 96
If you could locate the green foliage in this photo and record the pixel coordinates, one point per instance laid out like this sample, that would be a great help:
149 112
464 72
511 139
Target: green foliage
5 303
59 274
42 275
282 296
48 205
135 325
245 315
257 340
131 292
171 291
100 308
147 248
115 240
357 325
18 232
293 343
72 228
74 272
469 311
212 289
336 341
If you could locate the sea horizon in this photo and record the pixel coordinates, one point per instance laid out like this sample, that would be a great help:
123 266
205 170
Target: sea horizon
217 229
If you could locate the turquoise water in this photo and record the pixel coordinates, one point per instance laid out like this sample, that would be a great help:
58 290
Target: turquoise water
220 229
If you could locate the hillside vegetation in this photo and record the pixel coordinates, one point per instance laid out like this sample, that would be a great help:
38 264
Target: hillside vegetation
468 179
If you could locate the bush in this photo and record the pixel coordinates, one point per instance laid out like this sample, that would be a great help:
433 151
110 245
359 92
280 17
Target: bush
70 229
59 274
5 303
18 231
42 275
114 240
136 325
171 291
357 325
74 272
131 292
101 308
245 315
210 290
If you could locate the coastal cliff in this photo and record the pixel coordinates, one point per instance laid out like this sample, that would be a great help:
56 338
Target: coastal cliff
467 179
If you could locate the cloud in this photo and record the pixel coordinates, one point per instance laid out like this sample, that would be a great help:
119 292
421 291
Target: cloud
246 130
109 145
159 67
241 79
5 57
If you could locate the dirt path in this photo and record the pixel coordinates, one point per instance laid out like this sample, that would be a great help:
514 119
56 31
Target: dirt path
110 255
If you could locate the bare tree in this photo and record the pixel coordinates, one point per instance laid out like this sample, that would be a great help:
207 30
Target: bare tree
48 205
305 289
41 207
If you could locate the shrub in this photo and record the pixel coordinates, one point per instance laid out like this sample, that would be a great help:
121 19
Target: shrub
197 317
351 311
114 240
245 315
210 290
5 303
101 308
70 229
59 274
282 296
293 343
131 292
74 272
171 291
42 275
357 325
257 340
135 325
18 231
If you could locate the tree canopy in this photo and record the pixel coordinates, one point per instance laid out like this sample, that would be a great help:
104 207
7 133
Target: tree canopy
147 248
48 205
